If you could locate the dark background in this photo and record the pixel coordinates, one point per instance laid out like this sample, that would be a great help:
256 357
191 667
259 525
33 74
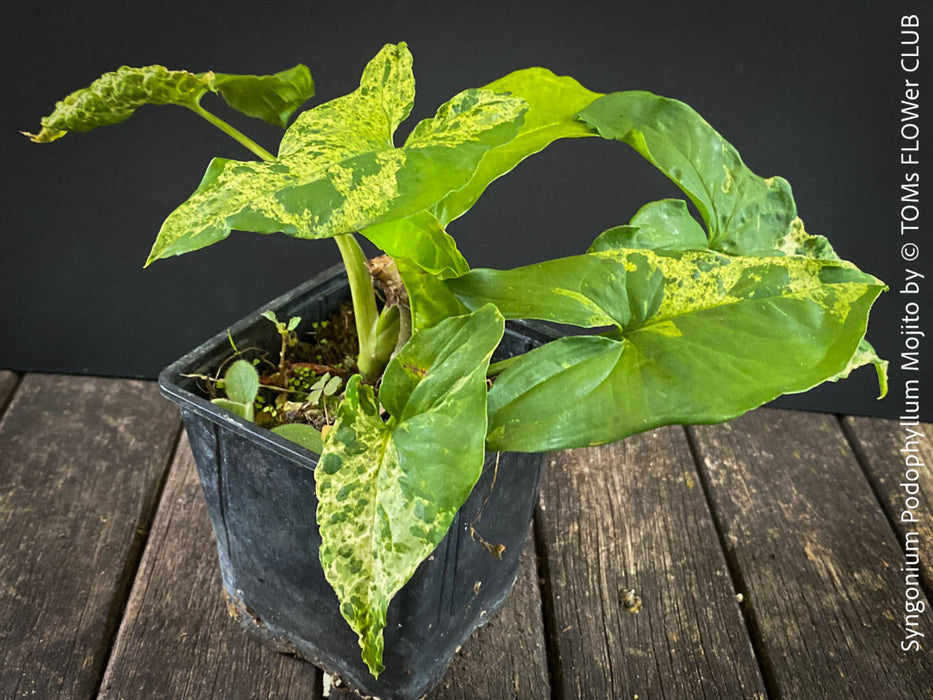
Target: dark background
809 91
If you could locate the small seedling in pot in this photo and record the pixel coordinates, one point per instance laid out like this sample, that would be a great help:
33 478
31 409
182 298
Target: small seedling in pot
288 339
241 384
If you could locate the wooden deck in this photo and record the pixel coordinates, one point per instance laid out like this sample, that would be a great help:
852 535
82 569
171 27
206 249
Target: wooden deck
768 554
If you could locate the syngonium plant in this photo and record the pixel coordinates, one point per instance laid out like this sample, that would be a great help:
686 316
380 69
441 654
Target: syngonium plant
706 319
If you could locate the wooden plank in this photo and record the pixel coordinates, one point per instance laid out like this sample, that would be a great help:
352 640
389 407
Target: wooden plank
879 444
818 560
633 516
177 640
82 462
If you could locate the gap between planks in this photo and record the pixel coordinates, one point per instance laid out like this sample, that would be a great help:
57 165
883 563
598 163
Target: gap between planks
82 461
632 516
817 553
878 444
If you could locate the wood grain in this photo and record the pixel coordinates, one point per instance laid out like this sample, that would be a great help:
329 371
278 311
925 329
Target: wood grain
177 640
82 462
879 443
633 516
818 561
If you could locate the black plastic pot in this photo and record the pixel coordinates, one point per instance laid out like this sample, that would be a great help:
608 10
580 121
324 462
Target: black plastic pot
260 494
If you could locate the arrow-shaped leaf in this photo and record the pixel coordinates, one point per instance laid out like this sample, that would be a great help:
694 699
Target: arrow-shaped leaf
114 97
705 327
745 214
388 491
337 170
700 337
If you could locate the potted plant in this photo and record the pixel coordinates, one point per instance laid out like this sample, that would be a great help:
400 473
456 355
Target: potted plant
688 322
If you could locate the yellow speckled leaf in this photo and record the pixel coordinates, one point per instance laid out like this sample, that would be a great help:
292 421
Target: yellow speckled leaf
337 170
114 96
699 337
388 491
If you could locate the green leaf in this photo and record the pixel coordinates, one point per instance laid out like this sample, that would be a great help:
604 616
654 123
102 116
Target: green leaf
584 290
424 254
553 101
744 213
272 98
430 300
699 337
866 355
243 410
388 491
333 384
337 170
305 435
662 225
114 97
293 323
241 382
421 239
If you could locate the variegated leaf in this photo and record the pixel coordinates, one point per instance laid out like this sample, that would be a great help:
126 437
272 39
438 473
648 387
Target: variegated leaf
705 326
114 97
424 251
388 490
553 101
699 337
337 170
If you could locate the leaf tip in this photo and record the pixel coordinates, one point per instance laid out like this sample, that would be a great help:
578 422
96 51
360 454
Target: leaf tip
882 369
45 136
371 646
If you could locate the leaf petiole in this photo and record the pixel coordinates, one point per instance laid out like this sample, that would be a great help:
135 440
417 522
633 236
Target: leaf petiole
364 301
232 132
364 306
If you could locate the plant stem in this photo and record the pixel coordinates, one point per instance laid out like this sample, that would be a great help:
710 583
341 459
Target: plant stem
361 286
233 132
364 304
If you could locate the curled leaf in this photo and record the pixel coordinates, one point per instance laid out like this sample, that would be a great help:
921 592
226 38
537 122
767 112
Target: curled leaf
114 96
